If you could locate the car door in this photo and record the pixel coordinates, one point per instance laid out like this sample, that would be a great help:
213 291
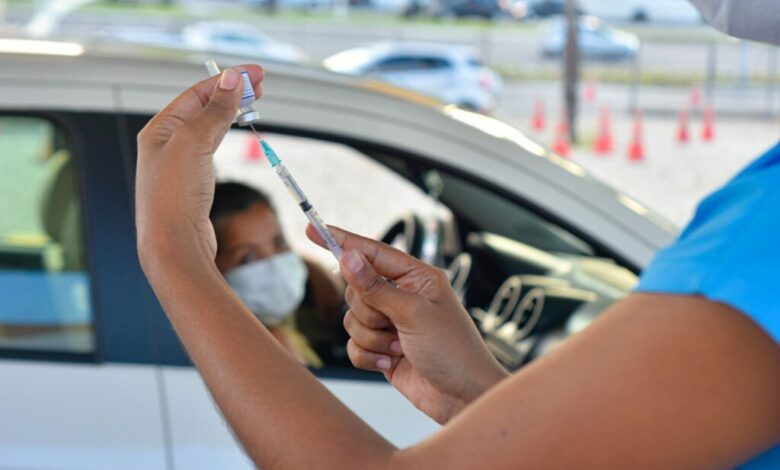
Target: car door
79 389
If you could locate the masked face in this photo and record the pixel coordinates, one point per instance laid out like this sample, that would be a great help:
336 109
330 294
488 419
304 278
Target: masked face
272 288
757 20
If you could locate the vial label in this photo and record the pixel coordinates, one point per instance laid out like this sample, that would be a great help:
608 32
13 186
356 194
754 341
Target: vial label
249 94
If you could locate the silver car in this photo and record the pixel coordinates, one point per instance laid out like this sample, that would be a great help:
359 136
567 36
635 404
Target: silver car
93 374
596 41
453 74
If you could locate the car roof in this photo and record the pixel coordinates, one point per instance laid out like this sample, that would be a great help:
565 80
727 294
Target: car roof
131 79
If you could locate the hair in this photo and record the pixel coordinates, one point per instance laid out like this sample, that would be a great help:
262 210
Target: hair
233 197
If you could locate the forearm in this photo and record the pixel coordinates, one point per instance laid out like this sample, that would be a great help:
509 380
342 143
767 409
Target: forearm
274 405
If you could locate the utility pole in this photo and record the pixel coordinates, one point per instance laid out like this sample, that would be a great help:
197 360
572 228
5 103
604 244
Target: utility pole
571 68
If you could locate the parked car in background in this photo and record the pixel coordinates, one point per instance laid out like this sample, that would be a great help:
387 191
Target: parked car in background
219 37
240 39
656 11
547 8
487 9
449 73
597 41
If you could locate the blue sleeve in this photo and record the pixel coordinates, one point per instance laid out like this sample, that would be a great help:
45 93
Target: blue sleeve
730 251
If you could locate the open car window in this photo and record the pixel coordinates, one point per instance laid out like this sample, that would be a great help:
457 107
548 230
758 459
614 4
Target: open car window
349 189
528 282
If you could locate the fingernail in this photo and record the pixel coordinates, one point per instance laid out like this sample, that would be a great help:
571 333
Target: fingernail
383 363
354 262
229 79
395 346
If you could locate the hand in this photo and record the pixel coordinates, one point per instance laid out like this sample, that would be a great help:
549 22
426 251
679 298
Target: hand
175 176
405 321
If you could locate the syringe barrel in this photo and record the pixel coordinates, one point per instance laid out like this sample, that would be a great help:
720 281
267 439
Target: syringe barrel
324 232
290 184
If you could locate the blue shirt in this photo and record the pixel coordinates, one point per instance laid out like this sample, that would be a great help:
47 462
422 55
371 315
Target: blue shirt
730 253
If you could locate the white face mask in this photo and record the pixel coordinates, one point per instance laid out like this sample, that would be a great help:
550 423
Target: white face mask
272 288
757 20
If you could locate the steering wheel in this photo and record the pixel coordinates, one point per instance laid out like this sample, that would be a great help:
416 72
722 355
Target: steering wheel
409 231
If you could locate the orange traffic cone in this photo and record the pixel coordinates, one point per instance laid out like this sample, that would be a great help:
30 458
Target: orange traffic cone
254 152
561 144
538 121
589 92
604 142
682 130
708 131
636 150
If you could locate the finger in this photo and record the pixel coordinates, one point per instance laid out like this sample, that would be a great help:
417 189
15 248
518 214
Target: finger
193 100
377 341
214 120
387 261
368 360
376 291
367 315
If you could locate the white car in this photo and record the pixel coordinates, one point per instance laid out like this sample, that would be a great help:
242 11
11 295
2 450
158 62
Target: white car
656 11
239 39
93 376
218 37
596 41
453 74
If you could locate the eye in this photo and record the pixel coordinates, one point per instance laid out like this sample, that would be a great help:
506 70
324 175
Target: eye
248 258
280 243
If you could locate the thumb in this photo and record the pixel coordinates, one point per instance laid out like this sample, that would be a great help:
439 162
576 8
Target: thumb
377 291
218 114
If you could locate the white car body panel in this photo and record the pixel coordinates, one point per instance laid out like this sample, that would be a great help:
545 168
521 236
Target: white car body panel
80 417
202 440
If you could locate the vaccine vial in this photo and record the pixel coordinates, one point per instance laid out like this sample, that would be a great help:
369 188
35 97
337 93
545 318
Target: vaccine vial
246 112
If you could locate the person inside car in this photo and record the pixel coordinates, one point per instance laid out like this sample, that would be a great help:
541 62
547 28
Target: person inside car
297 300
684 373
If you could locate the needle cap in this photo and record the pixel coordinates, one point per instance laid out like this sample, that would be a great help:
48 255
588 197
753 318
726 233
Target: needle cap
270 154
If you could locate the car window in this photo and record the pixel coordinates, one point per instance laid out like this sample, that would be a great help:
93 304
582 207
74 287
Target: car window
236 39
407 64
348 189
475 63
507 218
44 284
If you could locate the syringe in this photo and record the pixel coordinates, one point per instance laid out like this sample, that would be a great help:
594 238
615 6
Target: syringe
246 116
300 198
